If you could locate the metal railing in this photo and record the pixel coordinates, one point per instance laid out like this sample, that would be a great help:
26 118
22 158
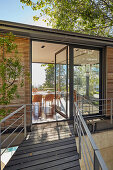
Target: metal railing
88 151
14 123
20 127
95 106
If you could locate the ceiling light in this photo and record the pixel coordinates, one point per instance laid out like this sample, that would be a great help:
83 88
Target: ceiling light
43 46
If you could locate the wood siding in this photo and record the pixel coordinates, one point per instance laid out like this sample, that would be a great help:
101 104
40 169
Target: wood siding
23 46
109 76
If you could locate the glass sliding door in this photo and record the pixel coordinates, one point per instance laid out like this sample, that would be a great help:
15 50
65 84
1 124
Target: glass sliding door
86 78
61 83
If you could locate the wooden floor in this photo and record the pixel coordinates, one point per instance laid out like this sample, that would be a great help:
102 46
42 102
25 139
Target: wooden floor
50 146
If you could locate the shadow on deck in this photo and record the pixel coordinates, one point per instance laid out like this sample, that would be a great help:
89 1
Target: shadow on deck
49 146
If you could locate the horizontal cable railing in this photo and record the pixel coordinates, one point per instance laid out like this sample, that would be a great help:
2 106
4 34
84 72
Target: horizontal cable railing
14 126
88 151
93 106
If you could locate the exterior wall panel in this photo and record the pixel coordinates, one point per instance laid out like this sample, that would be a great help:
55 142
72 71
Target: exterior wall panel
109 77
23 46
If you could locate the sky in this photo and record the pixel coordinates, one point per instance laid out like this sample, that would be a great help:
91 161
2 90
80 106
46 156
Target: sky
38 74
11 10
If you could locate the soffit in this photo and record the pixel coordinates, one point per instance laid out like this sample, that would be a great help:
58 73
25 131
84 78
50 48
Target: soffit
85 56
43 52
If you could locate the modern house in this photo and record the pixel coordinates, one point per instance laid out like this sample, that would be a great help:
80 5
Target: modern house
74 55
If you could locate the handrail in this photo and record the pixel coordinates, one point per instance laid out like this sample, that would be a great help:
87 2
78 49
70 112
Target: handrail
103 106
81 128
23 123
11 114
10 105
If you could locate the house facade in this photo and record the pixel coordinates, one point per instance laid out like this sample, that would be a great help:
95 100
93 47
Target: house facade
69 47
78 55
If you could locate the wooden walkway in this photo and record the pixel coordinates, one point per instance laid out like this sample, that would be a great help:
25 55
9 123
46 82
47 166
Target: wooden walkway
50 147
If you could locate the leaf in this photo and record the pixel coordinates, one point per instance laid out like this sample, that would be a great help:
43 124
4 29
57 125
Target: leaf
84 16
11 71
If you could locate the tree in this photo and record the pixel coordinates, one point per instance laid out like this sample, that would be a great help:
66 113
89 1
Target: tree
49 82
50 77
11 71
86 16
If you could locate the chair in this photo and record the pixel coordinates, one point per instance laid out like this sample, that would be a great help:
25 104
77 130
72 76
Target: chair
49 98
38 99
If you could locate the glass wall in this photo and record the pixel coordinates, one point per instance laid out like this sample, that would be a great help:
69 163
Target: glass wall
86 74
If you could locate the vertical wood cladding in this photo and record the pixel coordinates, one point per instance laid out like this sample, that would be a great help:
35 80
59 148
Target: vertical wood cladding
109 85
24 53
23 46
109 76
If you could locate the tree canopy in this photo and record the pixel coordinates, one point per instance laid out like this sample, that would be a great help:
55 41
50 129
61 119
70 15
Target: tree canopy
87 16
49 81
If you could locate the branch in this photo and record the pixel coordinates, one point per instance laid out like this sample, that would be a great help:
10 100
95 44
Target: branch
97 6
11 84
106 4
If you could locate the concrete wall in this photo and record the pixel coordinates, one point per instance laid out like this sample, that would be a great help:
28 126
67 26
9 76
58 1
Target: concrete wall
104 141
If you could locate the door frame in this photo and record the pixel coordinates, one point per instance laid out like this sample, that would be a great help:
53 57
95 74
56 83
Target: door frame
58 52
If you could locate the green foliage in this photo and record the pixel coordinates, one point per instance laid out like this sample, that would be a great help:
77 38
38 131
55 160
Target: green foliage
49 82
86 16
61 77
11 71
50 77
80 80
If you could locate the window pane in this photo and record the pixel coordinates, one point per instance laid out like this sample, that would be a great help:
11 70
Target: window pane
86 74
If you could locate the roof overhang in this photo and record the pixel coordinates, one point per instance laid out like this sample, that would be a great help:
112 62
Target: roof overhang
53 35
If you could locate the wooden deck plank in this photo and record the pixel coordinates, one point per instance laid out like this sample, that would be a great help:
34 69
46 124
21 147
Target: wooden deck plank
73 168
51 148
45 135
38 148
52 125
42 156
34 143
43 151
50 134
30 145
67 165
54 164
69 128
43 160
45 139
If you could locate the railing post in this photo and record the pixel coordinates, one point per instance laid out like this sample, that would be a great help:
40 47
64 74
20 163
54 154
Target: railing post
74 112
89 107
92 109
79 138
111 110
74 123
96 163
25 121
82 106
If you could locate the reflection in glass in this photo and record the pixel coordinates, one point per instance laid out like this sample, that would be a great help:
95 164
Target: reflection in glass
61 82
86 74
